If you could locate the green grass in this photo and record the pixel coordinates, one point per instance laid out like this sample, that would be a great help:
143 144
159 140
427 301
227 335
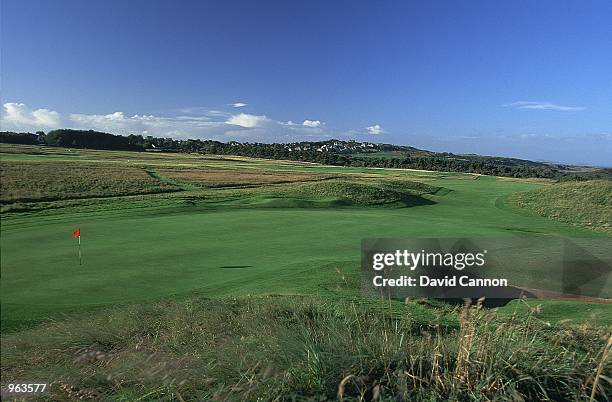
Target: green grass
155 254
586 203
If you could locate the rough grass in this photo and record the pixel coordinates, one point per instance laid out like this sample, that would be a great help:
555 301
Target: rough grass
49 181
281 348
587 204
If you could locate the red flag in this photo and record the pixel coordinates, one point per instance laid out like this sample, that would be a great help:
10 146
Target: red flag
76 233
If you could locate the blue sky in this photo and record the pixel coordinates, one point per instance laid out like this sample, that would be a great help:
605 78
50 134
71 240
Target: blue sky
529 79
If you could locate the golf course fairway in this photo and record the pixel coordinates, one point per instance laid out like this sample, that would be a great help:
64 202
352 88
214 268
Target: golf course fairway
134 256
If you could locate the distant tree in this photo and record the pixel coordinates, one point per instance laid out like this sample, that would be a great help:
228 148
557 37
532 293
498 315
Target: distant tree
18 138
90 139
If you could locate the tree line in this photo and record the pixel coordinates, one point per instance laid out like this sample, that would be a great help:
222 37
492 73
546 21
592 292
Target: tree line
305 151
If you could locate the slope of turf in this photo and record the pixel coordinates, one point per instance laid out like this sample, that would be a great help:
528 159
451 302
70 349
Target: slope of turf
586 204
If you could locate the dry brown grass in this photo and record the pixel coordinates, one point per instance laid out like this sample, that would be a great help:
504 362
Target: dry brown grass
605 354
228 177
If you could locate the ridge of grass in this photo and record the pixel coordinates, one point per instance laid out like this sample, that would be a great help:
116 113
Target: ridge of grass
587 204
362 192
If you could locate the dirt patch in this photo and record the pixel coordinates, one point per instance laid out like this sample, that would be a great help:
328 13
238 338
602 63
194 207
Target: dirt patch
548 294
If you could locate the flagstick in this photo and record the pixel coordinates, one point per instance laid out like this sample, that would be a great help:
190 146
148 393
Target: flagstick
80 257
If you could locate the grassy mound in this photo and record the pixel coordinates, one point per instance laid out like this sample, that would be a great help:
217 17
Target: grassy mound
283 348
361 193
587 204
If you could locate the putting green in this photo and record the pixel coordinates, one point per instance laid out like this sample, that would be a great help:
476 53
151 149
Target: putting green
130 258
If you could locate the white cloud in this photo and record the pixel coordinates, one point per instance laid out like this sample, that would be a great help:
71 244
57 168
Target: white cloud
527 105
239 104
119 123
247 120
305 124
200 111
19 116
375 129
195 122
312 123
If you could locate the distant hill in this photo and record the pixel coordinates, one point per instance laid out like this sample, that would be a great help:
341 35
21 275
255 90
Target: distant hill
330 152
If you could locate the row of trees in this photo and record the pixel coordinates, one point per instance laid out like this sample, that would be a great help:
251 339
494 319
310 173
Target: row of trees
71 139
437 161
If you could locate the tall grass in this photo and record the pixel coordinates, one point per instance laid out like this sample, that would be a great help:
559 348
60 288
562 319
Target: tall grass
284 348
